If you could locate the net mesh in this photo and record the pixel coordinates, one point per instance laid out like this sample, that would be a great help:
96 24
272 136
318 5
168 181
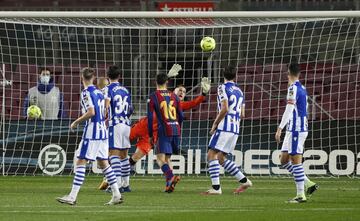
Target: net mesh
326 49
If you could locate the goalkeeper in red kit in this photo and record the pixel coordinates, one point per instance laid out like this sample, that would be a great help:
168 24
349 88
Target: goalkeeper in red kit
139 131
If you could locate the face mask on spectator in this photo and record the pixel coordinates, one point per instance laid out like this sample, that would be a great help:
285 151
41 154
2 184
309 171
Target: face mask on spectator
45 79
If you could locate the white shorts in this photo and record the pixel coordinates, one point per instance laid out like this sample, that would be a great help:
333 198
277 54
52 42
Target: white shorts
294 142
93 150
223 141
119 136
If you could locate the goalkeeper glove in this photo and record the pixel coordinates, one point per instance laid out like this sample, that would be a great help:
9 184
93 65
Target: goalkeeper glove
205 85
174 71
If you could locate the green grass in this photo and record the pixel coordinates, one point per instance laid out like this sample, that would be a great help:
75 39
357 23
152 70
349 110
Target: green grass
33 198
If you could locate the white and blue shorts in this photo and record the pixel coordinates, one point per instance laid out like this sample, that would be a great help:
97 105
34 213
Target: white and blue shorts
223 141
119 137
294 142
93 150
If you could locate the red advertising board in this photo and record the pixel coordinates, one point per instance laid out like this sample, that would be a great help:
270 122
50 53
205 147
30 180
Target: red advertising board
185 7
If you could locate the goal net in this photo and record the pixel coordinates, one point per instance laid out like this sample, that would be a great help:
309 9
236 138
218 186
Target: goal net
327 50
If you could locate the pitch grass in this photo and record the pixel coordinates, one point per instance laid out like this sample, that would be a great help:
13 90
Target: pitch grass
33 198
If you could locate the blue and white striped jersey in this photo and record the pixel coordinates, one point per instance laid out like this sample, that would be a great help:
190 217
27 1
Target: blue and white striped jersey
120 104
297 96
95 127
231 92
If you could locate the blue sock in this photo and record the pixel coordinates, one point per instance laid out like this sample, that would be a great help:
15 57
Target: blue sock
167 172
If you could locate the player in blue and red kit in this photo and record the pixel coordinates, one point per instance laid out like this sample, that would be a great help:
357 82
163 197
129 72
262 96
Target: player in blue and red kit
169 115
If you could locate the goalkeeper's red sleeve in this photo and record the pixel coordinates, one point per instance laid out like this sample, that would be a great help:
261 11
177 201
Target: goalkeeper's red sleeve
187 105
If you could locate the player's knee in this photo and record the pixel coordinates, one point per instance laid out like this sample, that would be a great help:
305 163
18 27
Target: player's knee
160 159
221 157
123 154
113 152
284 161
160 162
212 155
284 158
296 159
102 164
80 162
135 157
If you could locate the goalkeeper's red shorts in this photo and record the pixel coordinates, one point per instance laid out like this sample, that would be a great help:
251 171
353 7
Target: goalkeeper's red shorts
144 145
139 133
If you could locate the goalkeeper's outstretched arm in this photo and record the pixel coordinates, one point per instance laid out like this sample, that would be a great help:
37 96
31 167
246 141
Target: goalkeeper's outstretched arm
174 71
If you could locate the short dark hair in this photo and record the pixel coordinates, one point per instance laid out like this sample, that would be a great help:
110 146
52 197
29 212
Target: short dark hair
294 69
41 69
230 73
161 78
180 85
87 73
113 72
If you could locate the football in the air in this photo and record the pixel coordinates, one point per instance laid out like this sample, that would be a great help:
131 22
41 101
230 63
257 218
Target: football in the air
207 44
34 112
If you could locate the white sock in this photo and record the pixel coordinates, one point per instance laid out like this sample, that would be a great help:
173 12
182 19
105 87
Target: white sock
125 172
78 180
214 171
231 168
111 178
116 166
298 173
290 168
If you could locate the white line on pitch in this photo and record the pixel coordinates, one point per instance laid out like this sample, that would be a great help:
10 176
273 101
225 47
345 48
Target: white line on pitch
176 210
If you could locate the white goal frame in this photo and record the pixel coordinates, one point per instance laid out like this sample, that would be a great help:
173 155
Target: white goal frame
156 14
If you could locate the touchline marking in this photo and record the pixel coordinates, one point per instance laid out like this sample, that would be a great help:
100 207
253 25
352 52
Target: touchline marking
286 178
203 188
125 206
321 209
176 210
128 211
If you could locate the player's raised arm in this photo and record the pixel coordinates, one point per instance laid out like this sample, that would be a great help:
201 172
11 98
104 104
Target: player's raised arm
205 86
174 71
224 108
90 111
181 92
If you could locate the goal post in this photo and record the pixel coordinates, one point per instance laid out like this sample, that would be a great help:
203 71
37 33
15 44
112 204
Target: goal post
260 44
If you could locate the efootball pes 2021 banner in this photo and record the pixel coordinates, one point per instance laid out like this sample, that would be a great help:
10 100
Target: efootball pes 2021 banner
37 149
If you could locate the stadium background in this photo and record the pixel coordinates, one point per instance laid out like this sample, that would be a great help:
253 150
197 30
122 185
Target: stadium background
22 58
